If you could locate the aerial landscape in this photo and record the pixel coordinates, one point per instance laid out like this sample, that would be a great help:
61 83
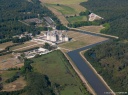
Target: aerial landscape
63 47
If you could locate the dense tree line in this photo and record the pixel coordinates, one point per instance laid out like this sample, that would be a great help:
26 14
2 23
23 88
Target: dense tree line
19 92
114 12
13 78
20 10
21 40
111 59
85 13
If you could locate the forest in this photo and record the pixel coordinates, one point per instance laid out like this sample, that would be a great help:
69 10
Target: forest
11 12
114 12
111 59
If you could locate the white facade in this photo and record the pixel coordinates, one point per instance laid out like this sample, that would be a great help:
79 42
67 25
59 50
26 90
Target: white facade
55 36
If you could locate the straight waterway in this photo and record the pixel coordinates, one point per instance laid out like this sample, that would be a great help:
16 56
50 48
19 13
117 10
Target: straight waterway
96 83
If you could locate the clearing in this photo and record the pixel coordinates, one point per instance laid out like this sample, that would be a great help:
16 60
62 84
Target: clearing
95 29
76 19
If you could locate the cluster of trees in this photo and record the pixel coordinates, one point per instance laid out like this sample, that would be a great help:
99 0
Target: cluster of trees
38 84
13 78
61 27
1 85
21 40
13 92
48 46
27 66
86 13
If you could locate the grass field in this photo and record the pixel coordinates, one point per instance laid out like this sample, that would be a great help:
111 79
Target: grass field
80 40
25 46
59 71
76 19
92 28
65 8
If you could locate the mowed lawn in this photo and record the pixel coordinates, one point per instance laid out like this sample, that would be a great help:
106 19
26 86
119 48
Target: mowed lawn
59 71
76 19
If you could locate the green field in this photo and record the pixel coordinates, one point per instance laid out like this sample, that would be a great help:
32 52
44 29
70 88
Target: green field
7 74
65 10
59 71
76 19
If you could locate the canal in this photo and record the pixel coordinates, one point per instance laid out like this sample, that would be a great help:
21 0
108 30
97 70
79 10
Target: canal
95 82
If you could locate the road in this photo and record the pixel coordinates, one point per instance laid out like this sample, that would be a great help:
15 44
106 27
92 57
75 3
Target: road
96 83
93 33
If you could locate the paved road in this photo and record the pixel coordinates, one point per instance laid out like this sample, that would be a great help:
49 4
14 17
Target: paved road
98 86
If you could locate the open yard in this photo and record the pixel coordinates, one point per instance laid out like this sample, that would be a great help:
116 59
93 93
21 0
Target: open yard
59 71
92 28
80 40
62 8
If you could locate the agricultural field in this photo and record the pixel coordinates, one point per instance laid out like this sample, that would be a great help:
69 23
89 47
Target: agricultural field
79 40
13 86
95 29
9 61
76 19
4 45
63 8
59 71
25 46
